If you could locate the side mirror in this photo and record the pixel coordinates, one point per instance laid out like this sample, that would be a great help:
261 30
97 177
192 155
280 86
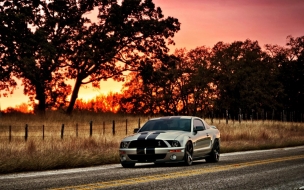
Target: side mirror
136 130
212 126
199 128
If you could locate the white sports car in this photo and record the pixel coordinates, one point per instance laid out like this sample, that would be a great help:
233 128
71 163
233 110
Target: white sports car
171 139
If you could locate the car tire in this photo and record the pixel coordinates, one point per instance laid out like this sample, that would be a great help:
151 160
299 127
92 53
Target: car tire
215 152
188 159
127 165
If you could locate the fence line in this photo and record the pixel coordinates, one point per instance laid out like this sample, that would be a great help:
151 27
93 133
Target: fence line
282 116
64 131
125 128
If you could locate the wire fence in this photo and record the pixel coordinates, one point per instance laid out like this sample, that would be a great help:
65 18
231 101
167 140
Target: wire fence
252 115
64 131
126 127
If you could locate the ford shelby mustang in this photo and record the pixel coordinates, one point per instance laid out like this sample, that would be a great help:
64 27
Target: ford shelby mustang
171 139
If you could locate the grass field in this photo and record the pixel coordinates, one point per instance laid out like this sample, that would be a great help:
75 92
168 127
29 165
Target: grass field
52 152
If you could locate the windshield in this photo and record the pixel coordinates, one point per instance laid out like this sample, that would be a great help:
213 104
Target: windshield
167 124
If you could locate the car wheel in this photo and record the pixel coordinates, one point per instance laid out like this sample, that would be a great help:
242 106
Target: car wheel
215 152
127 165
188 154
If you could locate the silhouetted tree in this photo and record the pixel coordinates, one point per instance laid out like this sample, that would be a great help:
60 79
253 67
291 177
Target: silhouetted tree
178 84
247 77
45 41
290 62
33 33
122 37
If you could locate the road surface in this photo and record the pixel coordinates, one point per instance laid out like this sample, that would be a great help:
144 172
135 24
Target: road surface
268 169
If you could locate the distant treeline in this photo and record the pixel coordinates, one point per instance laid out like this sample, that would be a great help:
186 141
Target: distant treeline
238 77
229 80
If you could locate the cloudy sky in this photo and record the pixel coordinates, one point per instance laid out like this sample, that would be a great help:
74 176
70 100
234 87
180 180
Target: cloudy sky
206 22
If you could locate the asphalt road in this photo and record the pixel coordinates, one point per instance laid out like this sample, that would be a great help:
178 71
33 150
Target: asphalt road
270 169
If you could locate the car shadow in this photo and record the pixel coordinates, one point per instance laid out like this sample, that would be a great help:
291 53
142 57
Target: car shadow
164 165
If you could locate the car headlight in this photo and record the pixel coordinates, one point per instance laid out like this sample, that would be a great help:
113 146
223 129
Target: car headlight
175 143
124 144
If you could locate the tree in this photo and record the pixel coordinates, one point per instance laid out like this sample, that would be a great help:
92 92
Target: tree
196 86
247 77
151 90
32 34
123 36
7 83
178 84
294 85
290 62
46 41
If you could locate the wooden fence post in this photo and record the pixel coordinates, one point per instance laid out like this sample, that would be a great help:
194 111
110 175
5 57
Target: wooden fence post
138 123
103 128
26 132
266 116
42 132
227 117
76 129
62 131
212 117
91 128
240 115
113 128
126 126
10 133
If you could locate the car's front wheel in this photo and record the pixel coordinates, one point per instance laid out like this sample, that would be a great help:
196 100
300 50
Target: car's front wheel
127 164
215 152
188 154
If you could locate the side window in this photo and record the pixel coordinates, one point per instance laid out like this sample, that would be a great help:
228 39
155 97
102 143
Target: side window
197 122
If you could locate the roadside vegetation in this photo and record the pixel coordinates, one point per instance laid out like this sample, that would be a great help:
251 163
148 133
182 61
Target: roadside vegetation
53 152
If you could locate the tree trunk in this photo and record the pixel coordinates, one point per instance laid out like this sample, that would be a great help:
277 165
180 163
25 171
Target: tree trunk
74 96
40 96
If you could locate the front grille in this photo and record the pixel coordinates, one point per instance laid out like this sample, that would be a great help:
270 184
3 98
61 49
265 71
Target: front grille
147 144
147 157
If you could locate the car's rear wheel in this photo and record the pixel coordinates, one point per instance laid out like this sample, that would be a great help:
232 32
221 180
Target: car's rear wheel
188 154
215 152
128 164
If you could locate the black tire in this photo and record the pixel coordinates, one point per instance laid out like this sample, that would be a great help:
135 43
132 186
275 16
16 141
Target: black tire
188 159
127 164
215 152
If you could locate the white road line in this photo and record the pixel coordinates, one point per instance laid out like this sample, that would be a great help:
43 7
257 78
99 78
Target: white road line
259 151
111 166
61 171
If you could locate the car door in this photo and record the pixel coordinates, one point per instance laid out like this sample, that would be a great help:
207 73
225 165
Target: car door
202 142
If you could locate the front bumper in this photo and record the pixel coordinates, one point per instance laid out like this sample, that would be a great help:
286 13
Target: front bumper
157 155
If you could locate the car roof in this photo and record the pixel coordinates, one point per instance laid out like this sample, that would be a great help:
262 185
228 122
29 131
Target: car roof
174 117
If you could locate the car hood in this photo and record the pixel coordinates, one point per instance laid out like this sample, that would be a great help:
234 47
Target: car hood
150 135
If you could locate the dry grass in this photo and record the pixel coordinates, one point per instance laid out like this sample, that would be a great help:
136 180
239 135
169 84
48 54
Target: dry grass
71 151
260 135
43 155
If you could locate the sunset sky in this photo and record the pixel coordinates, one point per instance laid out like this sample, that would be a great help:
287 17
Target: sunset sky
206 22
